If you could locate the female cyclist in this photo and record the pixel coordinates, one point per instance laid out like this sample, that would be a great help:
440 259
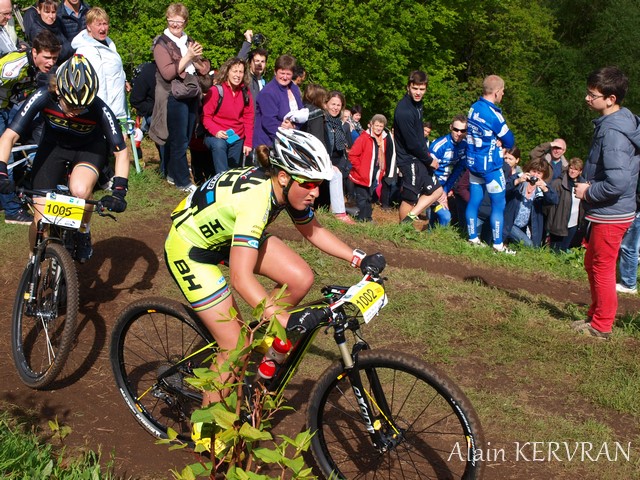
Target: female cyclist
224 220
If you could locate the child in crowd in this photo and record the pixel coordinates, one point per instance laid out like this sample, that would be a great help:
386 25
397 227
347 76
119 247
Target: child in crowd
512 159
562 219
526 195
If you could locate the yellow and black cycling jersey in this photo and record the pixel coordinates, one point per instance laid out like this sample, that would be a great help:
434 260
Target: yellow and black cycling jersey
231 209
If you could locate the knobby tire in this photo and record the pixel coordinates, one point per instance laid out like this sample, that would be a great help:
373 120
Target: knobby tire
436 429
43 333
150 336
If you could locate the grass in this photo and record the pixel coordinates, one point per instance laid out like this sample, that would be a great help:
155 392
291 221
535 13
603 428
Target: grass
513 353
517 359
448 241
23 454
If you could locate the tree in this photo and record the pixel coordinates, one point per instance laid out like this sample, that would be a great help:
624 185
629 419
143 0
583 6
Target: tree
366 49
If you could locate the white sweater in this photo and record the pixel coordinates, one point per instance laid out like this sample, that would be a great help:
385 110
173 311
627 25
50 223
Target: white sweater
108 65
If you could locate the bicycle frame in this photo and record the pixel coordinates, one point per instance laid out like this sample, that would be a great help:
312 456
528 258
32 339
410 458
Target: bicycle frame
57 234
340 322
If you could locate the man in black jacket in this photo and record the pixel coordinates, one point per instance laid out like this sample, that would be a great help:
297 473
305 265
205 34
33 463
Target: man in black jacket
420 187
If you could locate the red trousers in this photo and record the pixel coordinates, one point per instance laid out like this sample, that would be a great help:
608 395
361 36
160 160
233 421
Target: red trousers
600 263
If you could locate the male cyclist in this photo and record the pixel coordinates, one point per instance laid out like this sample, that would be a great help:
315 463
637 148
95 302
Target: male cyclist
77 127
224 220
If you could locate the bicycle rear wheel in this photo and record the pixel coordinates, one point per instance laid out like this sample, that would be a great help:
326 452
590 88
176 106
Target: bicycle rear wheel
43 327
429 427
149 341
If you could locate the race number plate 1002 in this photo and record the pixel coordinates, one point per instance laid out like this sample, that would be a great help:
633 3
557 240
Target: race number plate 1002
63 210
369 297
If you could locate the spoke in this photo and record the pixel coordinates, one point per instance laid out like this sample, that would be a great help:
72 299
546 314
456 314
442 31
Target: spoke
51 354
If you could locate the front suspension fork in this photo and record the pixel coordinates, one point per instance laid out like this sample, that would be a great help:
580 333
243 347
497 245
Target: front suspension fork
367 399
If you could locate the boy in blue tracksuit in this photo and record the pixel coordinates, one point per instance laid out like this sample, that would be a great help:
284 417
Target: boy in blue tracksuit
487 131
450 153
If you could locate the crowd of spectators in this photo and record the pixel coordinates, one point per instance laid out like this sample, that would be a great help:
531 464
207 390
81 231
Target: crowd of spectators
473 177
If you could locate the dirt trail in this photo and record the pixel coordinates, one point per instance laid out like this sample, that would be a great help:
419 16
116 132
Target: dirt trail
131 266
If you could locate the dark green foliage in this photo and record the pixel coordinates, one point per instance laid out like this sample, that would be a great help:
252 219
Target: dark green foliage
366 48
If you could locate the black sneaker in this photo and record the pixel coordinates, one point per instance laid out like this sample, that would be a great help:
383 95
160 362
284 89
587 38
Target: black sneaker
20 218
84 250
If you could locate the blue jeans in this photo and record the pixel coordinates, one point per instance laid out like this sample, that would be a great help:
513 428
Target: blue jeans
562 244
225 156
518 235
629 254
181 120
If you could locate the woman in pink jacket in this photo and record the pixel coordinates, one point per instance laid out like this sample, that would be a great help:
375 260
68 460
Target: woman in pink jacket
227 116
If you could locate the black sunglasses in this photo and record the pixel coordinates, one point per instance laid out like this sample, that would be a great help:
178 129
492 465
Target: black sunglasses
459 130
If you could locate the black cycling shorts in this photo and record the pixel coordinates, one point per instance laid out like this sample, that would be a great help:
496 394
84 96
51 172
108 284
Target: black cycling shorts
49 165
417 180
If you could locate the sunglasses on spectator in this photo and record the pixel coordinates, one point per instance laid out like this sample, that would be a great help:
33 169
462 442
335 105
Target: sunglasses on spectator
459 130
307 184
177 23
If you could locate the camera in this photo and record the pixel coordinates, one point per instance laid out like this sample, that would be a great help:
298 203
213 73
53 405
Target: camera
258 39
533 180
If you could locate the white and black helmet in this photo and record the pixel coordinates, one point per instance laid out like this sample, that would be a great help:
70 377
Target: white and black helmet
301 154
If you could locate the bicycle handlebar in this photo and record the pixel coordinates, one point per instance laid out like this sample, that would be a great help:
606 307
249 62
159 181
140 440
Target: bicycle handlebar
100 209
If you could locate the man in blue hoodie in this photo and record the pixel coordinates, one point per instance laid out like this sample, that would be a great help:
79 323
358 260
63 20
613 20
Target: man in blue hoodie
487 131
609 193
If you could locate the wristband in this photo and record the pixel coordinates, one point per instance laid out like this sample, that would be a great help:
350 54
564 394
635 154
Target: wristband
357 257
3 169
120 186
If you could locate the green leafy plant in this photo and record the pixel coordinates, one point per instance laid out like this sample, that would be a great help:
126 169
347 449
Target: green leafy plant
235 437
59 432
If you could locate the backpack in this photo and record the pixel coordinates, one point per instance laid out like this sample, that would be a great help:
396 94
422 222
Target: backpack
245 96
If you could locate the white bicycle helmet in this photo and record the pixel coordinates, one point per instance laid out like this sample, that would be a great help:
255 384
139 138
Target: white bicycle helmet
301 154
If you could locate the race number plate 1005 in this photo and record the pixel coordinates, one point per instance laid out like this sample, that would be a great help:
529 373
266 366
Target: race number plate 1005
369 297
63 210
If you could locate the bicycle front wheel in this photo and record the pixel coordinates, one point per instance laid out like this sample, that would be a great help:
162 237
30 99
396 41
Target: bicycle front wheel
44 324
425 425
149 344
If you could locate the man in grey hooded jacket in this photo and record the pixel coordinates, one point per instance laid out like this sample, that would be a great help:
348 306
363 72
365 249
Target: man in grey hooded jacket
609 193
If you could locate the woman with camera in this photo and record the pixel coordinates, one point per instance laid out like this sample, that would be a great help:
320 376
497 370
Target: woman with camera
526 195
228 116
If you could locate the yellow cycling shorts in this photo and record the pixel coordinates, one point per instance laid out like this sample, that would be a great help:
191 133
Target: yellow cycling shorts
196 271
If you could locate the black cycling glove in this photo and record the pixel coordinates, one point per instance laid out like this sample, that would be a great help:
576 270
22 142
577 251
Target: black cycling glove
6 185
307 319
373 264
116 202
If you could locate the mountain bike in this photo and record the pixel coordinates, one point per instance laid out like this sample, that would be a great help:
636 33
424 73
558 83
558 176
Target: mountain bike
372 413
47 300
